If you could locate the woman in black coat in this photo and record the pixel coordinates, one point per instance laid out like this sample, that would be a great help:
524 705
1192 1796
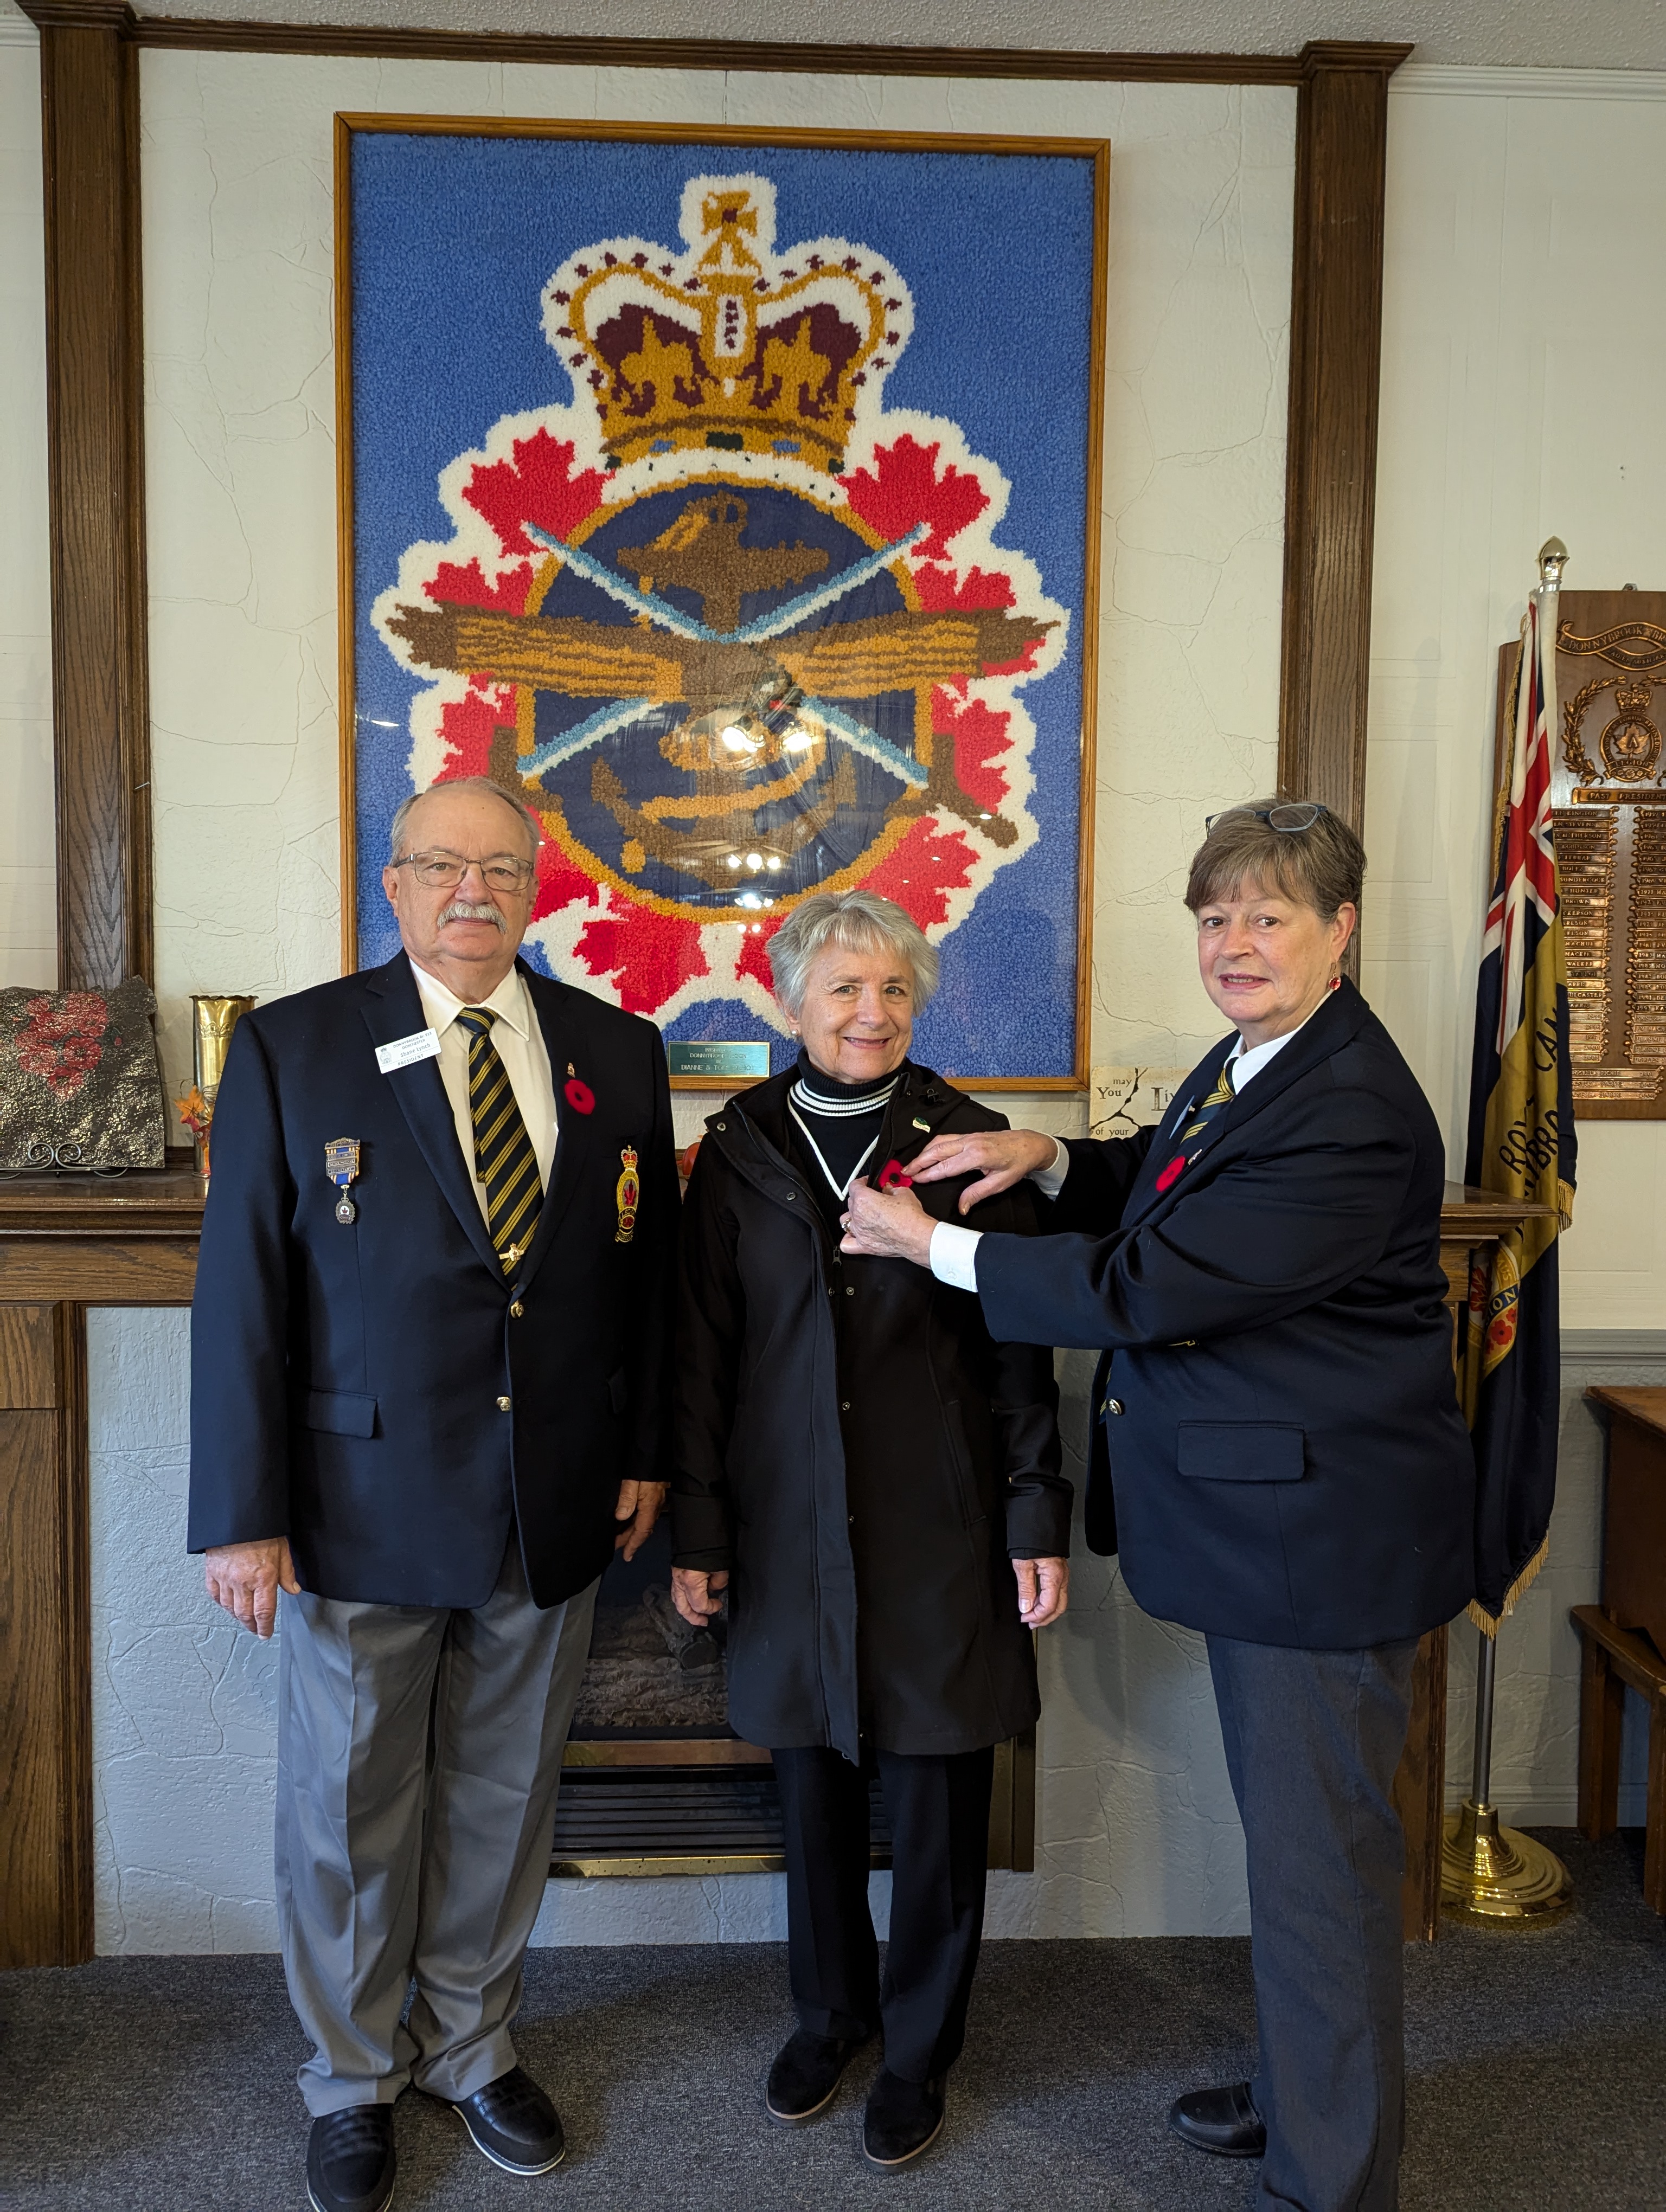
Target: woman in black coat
1292 1475
876 1483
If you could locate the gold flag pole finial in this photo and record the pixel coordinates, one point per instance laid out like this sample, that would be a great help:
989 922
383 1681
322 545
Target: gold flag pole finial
1552 559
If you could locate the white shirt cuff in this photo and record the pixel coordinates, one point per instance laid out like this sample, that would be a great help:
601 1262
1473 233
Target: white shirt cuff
954 1256
1049 1180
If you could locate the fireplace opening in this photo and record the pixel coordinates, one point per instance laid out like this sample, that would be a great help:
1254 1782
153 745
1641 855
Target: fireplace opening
654 1781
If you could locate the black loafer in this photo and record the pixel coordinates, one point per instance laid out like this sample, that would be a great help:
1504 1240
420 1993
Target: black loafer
1223 2122
514 2123
805 2074
903 2119
349 2160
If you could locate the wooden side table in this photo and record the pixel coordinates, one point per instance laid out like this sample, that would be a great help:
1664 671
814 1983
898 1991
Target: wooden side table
1635 1518
1612 1661
1623 1640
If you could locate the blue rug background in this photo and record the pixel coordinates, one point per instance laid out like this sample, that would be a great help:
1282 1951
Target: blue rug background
454 241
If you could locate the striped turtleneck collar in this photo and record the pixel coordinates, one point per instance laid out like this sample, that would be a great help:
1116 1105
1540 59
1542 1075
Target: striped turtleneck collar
839 1123
815 1092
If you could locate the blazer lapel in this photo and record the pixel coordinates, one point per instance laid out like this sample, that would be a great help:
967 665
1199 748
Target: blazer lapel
1324 1033
394 1009
575 1132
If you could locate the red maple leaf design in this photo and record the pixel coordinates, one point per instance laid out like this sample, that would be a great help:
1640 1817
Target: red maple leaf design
60 1043
981 736
559 882
941 590
650 956
536 486
467 724
904 488
470 586
754 959
929 863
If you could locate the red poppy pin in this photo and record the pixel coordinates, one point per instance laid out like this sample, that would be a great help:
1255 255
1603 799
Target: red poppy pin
579 1096
1171 1173
891 1176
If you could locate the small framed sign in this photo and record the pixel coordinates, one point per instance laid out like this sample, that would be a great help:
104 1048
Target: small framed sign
707 1062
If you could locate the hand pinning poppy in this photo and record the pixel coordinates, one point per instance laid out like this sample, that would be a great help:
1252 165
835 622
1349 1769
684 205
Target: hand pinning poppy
891 1176
579 1096
1171 1173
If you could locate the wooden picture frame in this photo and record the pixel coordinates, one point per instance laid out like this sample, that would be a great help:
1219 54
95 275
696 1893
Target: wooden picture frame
941 842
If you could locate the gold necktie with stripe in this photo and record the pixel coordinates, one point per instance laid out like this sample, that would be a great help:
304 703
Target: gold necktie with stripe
1212 1105
503 1157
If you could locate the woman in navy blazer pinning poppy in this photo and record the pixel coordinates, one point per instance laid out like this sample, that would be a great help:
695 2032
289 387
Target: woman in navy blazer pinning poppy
1279 1454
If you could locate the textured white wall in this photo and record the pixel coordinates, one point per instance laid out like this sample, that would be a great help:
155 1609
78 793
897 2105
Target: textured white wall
1521 398
1137 1831
1521 382
28 928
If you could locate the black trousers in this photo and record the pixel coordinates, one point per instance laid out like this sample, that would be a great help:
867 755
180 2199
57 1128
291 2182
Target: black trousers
1312 1741
939 1808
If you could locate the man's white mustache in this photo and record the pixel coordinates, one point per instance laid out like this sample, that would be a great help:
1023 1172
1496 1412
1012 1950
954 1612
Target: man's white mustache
462 910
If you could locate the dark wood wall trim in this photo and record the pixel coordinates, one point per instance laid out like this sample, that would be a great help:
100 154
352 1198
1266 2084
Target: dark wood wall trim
1336 358
390 42
94 391
45 1630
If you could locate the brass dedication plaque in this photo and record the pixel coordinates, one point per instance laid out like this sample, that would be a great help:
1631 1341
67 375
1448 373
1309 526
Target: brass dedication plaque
1608 790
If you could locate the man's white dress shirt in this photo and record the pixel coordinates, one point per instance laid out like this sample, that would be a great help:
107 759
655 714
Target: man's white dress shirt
521 1048
954 1249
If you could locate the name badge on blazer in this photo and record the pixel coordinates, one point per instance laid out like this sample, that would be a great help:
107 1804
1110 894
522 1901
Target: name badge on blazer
421 1044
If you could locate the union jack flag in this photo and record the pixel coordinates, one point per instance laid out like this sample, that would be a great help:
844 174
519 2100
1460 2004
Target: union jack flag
1521 1144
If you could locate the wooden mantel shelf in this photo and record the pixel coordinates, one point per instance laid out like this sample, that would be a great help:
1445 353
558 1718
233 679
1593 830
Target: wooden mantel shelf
101 1240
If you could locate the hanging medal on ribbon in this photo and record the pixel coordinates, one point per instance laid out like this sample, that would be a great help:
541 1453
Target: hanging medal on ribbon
341 1164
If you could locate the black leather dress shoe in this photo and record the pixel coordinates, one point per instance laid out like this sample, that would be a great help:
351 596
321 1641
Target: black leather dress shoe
349 2160
807 2072
514 2123
1223 2122
903 2119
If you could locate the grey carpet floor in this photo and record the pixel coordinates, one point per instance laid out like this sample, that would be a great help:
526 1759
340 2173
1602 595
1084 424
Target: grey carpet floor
1538 2080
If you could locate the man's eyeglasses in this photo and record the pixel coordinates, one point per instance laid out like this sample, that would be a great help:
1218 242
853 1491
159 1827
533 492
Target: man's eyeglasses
1299 814
443 872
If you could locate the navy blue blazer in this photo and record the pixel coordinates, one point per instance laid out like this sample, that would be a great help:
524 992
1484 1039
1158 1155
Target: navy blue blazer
1277 1413
346 1380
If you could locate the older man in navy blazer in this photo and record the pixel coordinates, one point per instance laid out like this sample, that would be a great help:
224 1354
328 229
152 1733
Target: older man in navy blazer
428 1369
1280 1429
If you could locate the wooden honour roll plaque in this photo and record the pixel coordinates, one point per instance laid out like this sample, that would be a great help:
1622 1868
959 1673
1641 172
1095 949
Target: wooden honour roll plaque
1608 790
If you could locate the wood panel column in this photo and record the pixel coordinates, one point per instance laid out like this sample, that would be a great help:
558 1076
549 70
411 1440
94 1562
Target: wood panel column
1335 355
90 129
45 1635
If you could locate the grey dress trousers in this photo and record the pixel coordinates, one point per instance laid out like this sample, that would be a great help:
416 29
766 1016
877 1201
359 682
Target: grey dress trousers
1312 1742
419 1757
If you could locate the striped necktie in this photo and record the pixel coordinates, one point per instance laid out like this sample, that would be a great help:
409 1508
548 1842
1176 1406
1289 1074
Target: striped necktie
504 1160
1212 1105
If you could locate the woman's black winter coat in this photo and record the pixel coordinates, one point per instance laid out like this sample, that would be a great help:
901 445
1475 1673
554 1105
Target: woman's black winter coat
853 1446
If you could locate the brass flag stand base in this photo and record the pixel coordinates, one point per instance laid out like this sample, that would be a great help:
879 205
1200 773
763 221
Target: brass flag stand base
1490 1876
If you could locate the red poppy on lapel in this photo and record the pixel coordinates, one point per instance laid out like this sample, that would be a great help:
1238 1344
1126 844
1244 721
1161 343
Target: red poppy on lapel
892 1178
1171 1173
579 1096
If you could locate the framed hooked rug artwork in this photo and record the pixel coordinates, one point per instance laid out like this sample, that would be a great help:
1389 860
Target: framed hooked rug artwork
731 498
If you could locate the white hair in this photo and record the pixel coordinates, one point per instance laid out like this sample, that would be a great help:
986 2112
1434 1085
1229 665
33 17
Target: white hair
858 921
478 783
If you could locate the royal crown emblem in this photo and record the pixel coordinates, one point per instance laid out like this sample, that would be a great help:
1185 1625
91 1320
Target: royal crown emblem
715 350
735 629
